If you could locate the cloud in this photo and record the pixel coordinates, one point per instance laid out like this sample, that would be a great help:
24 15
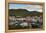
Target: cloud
33 8
28 7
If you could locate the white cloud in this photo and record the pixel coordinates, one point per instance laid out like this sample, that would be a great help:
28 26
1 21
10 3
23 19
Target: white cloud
33 8
29 7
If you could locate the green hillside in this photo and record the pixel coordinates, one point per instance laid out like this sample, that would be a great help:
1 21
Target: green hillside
23 12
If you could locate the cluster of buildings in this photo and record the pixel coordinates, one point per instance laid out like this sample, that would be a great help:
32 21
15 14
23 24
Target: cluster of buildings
28 18
25 21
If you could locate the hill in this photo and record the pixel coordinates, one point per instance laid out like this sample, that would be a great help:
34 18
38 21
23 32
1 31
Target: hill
23 12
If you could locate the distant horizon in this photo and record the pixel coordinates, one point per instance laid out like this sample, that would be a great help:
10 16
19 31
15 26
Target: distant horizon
27 10
26 6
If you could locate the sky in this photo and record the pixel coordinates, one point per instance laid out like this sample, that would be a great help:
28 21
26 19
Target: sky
16 6
26 6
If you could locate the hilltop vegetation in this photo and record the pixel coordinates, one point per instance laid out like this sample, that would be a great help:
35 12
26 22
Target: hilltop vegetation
23 12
